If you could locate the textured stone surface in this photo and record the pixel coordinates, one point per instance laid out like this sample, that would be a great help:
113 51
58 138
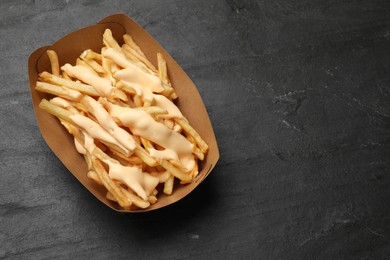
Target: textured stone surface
299 96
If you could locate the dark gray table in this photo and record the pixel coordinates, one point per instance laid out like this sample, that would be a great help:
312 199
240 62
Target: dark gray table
299 96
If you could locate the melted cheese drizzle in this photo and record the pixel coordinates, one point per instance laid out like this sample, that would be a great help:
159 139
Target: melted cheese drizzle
140 182
105 120
142 124
101 85
165 103
165 154
95 130
133 74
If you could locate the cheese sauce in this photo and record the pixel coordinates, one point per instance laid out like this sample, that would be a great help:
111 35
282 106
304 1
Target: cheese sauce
105 120
133 74
165 154
168 105
101 85
95 130
140 182
142 124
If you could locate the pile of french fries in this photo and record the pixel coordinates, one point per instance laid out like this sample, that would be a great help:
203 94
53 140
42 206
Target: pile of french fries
71 96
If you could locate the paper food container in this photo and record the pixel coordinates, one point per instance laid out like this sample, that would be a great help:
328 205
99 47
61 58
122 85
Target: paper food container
61 142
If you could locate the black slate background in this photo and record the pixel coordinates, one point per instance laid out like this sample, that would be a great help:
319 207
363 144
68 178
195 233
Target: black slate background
299 96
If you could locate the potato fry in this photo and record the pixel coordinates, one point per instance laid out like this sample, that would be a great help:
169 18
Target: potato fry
80 62
58 91
169 92
65 75
111 197
168 185
91 55
131 56
94 65
110 185
162 69
144 156
146 143
194 171
137 101
175 171
152 199
126 88
83 88
130 42
141 58
133 160
88 160
169 123
55 65
191 131
94 176
109 40
135 199
56 111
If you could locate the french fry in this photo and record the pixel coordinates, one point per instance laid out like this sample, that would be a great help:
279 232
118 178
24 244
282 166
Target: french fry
94 176
146 143
133 160
162 69
175 171
168 185
169 92
106 64
88 160
110 185
140 57
94 65
194 171
111 197
152 199
117 93
131 56
137 101
91 55
144 156
191 131
126 88
135 199
58 91
80 62
55 65
177 164
130 42
169 123
56 111
109 40
83 88
196 150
